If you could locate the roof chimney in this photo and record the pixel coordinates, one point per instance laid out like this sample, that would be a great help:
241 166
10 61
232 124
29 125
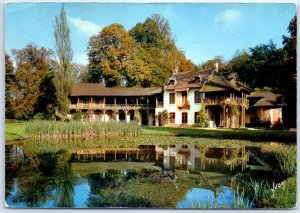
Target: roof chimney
103 82
216 66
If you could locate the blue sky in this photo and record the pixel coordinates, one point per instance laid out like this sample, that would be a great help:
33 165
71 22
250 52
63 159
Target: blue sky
202 31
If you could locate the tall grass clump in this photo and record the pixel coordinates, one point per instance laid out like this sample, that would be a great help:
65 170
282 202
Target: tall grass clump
77 129
238 201
285 159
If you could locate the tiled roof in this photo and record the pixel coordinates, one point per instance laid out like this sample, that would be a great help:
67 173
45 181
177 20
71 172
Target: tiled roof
96 89
187 79
267 99
217 82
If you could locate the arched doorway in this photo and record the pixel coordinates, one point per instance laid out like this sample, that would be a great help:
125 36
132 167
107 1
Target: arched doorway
122 115
98 116
144 117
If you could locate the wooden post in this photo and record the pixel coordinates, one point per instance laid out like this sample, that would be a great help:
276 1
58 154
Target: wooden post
224 120
156 156
115 154
156 102
137 154
115 101
104 154
126 101
126 153
137 101
147 101
104 101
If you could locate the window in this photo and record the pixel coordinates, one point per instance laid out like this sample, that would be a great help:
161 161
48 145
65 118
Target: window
184 97
196 117
199 96
184 117
172 117
198 164
172 98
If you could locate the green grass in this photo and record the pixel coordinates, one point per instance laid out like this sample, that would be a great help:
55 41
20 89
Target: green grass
14 131
238 134
286 196
47 129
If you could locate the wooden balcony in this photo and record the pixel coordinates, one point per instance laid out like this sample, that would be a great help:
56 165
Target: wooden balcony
232 101
94 106
184 106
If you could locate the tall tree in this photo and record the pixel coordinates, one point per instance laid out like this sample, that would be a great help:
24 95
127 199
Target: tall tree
9 79
158 49
64 77
32 67
113 58
290 87
47 101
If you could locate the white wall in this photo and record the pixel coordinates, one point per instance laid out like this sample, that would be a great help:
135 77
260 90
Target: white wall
194 107
194 153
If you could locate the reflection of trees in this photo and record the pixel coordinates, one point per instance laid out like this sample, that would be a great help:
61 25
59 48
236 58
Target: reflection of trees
38 176
12 161
146 188
64 182
33 186
113 180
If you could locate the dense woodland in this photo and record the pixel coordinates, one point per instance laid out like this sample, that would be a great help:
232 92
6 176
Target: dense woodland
146 55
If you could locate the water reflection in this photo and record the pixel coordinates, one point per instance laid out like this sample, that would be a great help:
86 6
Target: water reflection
142 176
177 156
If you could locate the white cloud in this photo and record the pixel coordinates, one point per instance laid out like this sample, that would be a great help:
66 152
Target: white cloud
81 58
87 27
228 17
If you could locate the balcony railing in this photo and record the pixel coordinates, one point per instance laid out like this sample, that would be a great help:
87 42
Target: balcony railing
95 106
184 106
226 101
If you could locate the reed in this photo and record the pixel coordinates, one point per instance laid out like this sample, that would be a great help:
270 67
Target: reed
77 129
238 201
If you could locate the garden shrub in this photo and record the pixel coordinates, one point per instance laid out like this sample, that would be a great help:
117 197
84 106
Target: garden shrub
77 116
39 116
163 118
202 118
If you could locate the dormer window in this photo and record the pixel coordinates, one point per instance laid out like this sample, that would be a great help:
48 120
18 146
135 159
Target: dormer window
198 79
172 81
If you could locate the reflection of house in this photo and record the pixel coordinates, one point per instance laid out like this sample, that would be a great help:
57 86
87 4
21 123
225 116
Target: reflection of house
225 99
190 157
180 156
265 106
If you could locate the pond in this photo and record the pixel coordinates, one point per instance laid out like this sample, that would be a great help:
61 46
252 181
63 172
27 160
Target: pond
144 176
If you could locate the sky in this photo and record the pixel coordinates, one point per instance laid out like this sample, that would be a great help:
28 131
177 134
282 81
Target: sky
201 30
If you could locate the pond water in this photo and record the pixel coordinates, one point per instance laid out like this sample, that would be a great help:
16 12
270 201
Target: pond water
146 176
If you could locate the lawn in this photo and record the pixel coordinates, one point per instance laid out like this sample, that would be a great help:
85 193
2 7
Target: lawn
238 134
14 131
